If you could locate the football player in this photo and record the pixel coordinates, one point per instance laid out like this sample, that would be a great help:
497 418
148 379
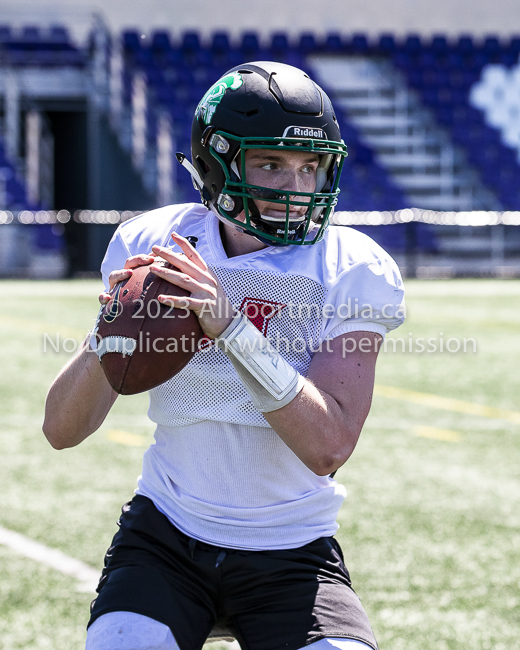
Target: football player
232 525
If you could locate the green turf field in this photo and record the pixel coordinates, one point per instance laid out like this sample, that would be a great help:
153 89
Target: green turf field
431 526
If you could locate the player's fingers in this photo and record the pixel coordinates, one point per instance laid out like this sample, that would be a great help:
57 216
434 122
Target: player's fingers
138 260
177 278
131 263
189 251
195 305
118 276
180 302
104 298
183 263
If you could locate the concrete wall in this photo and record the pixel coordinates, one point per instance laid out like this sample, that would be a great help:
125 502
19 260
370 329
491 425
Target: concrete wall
478 17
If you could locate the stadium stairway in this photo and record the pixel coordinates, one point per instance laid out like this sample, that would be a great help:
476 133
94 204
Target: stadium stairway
450 77
421 158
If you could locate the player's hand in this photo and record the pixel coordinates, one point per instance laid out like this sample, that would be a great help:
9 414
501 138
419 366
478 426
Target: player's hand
123 274
208 299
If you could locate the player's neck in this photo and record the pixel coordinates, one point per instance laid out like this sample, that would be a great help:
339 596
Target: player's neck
238 243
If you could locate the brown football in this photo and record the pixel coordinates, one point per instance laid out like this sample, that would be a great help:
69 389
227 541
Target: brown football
140 342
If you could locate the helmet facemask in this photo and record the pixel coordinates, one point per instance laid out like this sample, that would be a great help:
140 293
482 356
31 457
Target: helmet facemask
239 196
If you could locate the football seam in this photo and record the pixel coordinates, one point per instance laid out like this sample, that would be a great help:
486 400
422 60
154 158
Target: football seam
139 330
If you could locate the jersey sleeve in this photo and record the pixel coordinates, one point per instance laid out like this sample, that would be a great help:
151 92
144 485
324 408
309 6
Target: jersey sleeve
367 296
115 257
139 234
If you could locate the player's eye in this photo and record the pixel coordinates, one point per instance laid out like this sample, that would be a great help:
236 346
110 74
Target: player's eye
269 166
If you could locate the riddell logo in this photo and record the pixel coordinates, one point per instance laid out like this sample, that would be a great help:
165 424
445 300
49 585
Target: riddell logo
304 132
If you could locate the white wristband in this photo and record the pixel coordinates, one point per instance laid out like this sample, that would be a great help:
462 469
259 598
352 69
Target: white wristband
269 379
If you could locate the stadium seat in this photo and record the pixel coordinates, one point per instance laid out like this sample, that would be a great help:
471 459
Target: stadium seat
143 59
307 44
492 45
279 46
359 44
334 43
220 43
131 42
249 47
31 35
5 33
190 43
387 44
160 42
514 46
413 44
465 44
173 59
439 45
59 35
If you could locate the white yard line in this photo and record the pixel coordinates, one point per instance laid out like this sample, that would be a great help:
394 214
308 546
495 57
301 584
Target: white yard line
86 576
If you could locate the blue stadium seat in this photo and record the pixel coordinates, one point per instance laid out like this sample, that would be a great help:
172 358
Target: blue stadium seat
190 43
173 59
279 45
514 45
439 44
155 76
59 35
413 44
465 44
185 76
131 41
359 44
492 45
5 33
249 47
387 44
161 42
307 44
334 43
31 35
220 43
143 59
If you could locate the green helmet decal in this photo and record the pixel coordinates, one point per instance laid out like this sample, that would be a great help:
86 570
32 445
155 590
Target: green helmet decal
208 104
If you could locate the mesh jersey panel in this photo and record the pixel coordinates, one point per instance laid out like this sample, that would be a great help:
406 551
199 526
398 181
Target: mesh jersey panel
208 388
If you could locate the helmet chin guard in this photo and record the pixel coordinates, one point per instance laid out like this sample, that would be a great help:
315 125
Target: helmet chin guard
268 106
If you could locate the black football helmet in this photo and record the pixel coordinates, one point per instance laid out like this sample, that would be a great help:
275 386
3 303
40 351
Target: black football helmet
265 105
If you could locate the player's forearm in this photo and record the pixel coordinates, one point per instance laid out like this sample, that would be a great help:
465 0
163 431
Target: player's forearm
317 429
78 401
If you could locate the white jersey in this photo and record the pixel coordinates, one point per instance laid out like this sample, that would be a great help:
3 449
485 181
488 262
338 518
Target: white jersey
217 470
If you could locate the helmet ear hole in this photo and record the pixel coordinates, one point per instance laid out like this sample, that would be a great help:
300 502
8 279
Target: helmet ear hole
203 166
322 172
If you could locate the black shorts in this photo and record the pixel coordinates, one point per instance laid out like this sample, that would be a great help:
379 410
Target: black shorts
272 600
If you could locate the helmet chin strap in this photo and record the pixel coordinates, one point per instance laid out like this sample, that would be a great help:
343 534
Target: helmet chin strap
197 180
